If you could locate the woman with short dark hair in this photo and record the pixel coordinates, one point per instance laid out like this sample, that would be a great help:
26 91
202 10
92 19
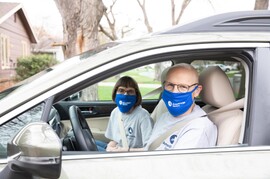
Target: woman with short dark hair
136 121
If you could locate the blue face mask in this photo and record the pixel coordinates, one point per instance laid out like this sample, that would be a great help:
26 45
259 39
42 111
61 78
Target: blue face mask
178 103
125 102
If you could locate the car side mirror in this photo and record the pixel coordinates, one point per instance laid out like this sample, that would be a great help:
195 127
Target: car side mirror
35 151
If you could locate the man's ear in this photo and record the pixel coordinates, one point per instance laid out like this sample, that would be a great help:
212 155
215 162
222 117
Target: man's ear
197 91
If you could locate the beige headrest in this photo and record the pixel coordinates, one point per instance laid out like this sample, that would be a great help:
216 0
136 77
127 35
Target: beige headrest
217 90
163 74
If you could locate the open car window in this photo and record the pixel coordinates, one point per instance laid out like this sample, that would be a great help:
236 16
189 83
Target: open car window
97 112
148 78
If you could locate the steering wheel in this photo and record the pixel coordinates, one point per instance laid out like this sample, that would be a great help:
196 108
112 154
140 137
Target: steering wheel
81 130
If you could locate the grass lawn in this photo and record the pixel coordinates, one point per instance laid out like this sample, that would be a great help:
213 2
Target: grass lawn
142 76
105 92
136 74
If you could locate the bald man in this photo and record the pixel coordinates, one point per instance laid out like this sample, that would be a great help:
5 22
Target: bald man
179 90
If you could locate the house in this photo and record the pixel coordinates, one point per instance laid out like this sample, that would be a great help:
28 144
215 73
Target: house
16 37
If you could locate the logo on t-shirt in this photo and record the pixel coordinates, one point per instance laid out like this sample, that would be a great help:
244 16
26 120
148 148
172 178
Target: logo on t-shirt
172 138
130 130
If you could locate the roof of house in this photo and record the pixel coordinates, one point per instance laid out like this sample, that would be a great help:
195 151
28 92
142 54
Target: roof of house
7 9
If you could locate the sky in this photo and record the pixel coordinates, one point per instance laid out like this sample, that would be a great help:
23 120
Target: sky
127 12
42 13
159 11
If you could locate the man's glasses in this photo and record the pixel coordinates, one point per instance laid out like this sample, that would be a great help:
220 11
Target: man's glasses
180 87
129 91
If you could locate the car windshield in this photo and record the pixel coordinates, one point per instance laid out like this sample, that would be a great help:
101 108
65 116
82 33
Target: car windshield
83 56
21 83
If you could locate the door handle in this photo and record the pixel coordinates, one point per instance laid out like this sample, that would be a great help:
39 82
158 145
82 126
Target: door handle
90 111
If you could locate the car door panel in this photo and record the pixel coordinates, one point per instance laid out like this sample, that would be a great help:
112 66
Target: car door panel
98 126
230 162
97 114
97 108
88 109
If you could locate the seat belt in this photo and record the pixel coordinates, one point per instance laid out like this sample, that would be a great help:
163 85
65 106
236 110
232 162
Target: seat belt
157 142
234 105
122 131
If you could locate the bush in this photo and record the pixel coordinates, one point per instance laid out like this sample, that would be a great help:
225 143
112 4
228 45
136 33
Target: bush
31 65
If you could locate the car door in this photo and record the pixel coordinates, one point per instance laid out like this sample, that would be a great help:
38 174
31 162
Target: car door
234 161
226 162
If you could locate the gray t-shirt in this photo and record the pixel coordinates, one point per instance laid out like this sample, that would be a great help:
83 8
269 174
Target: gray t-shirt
198 133
138 127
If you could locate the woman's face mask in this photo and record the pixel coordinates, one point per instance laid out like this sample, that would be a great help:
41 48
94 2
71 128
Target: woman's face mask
178 103
125 102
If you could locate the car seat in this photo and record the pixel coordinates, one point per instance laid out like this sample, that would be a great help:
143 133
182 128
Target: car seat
161 107
218 92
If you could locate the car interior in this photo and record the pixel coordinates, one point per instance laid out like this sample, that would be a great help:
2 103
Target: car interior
224 88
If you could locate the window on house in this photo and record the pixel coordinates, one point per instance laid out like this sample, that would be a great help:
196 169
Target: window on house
24 49
4 50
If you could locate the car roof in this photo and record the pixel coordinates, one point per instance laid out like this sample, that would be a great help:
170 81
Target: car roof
240 21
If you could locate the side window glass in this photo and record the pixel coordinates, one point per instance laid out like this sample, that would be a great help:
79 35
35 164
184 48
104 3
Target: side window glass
148 78
10 128
234 71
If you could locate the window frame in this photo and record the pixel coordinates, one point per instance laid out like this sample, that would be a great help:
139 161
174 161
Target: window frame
5 51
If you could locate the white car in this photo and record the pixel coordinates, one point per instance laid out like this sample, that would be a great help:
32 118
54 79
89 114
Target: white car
225 68
38 140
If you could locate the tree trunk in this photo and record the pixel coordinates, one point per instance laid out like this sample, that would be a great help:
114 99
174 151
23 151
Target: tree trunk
80 25
261 4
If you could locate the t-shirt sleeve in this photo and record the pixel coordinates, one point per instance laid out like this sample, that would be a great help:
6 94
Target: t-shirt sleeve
112 127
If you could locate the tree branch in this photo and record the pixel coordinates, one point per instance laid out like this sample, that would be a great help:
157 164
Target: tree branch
106 33
184 6
173 12
146 21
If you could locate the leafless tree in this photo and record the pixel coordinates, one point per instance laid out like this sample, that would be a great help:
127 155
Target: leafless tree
158 67
175 20
185 3
80 25
43 37
111 32
146 21
261 4
109 15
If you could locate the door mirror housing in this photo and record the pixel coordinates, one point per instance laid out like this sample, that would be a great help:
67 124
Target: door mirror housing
34 151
